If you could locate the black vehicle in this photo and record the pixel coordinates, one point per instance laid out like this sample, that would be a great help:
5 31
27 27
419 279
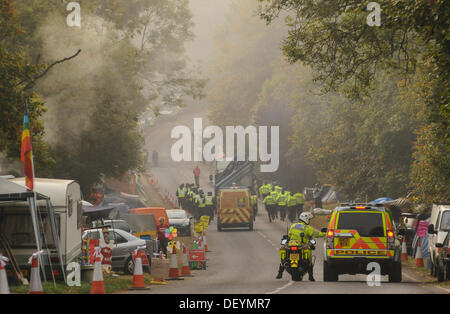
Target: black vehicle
296 257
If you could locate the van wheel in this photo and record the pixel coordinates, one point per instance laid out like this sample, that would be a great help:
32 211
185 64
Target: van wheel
396 272
129 266
329 274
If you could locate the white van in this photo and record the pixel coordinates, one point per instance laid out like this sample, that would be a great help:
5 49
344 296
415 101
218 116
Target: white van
438 230
65 196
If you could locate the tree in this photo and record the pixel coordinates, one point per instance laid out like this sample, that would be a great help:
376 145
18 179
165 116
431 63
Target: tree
15 73
334 38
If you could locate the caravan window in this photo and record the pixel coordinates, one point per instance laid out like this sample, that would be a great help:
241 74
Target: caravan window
18 230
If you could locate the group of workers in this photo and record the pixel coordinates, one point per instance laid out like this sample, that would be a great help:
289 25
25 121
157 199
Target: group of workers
193 198
280 202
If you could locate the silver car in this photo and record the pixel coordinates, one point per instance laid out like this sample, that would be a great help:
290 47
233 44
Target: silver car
124 244
179 218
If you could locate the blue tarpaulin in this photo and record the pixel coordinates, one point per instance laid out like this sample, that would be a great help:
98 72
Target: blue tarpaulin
381 200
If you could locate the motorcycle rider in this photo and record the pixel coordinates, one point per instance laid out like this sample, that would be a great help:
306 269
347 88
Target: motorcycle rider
302 231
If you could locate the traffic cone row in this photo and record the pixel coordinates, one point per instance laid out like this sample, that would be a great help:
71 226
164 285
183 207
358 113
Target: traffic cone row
4 288
404 251
419 259
35 279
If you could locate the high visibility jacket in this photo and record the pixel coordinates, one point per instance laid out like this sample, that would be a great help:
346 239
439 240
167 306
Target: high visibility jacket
300 198
269 188
291 201
209 200
303 232
278 189
282 200
274 195
253 200
181 193
201 202
269 200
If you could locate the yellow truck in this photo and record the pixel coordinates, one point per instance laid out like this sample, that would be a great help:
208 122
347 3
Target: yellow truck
234 208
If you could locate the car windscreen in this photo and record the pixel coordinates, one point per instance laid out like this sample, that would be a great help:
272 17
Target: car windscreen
445 221
176 214
367 224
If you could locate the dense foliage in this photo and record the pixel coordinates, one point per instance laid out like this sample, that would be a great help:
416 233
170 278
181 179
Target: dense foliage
85 111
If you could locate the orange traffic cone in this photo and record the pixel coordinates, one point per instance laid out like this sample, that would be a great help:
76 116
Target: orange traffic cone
138 275
159 281
35 278
174 274
185 268
98 285
4 288
419 259
404 252
205 244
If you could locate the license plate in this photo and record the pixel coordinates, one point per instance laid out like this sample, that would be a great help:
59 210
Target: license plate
344 242
294 257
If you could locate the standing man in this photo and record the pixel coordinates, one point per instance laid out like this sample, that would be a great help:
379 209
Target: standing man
271 206
300 199
210 205
197 175
291 208
162 226
282 205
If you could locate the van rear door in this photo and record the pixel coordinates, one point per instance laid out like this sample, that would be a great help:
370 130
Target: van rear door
360 233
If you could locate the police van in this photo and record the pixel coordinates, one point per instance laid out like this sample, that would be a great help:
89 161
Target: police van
234 208
357 235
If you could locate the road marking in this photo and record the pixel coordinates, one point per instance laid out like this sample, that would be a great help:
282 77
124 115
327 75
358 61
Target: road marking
267 239
281 288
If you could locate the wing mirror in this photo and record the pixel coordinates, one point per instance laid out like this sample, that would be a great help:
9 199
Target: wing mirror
431 229
439 245
312 241
323 230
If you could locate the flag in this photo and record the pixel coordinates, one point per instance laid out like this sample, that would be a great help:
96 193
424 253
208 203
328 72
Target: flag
26 154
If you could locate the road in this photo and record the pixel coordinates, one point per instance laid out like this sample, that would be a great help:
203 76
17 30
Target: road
246 262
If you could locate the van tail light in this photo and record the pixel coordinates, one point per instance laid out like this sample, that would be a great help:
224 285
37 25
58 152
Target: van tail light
330 239
294 248
390 240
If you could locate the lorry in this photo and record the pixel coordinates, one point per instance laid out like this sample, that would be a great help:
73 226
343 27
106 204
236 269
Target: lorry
234 208
17 227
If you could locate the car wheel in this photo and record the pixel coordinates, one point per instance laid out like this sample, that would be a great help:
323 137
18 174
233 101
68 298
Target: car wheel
329 274
396 272
129 266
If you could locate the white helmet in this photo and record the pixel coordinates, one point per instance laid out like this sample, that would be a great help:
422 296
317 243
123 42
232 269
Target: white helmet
305 217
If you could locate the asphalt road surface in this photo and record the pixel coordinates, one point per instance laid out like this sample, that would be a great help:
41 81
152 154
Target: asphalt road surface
246 262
